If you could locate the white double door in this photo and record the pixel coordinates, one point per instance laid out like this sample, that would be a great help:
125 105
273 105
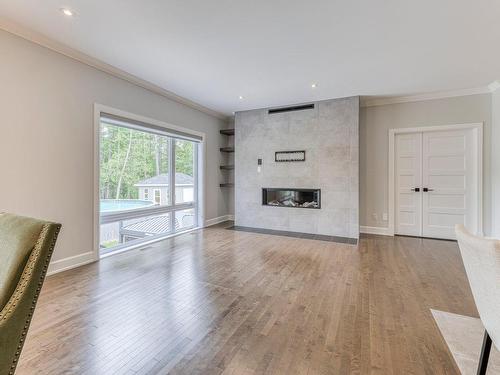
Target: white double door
436 183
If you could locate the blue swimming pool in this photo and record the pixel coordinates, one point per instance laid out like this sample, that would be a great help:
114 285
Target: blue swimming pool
109 205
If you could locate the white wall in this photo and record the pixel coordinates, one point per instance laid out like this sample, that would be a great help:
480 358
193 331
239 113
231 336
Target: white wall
495 163
46 138
375 123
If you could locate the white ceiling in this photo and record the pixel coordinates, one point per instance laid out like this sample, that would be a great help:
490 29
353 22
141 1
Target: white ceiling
270 51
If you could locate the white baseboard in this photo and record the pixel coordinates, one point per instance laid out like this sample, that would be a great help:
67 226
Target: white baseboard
217 220
86 258
375 230
70 262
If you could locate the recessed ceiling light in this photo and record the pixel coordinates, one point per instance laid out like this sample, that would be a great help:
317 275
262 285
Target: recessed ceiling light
313 85
67 12
240 97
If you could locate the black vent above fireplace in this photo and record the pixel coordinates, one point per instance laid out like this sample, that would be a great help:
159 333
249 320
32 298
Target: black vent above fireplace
291 109
290 197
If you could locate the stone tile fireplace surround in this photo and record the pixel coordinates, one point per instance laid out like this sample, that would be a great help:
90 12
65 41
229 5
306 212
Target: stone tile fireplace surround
329 133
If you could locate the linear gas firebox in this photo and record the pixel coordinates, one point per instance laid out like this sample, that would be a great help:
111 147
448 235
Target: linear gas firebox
289 197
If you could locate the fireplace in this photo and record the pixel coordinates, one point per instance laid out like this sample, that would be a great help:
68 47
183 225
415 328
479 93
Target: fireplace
289 197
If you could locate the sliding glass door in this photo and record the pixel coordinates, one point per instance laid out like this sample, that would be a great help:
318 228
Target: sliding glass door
148 184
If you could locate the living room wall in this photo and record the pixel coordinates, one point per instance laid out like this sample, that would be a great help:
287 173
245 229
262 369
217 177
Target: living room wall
495 163
47 139
329 135
375 123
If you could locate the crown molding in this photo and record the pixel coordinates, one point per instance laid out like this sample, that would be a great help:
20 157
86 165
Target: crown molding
374 101
38 38
367 101
494 86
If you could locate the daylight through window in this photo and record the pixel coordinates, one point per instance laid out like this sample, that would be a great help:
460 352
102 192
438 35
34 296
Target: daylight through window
147 185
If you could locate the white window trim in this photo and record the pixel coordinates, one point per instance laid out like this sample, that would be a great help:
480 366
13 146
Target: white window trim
201 165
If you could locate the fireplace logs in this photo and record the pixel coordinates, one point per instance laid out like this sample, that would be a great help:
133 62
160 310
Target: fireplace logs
291 197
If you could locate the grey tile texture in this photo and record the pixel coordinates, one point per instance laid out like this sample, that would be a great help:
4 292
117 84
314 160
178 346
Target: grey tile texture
329 134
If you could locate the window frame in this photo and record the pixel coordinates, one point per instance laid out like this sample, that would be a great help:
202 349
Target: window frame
156 128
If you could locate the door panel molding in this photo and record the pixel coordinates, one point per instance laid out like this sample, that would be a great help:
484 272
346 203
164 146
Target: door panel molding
477 134
408 202
458 179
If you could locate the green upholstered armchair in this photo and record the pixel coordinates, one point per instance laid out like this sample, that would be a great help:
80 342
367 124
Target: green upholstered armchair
26 246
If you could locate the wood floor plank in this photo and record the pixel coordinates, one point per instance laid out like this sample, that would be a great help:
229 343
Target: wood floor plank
218 301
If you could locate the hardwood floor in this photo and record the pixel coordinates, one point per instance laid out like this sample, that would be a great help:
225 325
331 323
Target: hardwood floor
219 301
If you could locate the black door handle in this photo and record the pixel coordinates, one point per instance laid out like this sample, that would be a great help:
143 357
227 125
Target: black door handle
415 189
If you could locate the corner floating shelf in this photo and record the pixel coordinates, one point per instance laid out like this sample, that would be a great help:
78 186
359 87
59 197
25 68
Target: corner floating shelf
227 131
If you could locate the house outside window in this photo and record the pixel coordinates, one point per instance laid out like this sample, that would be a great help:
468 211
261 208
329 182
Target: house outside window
140 173
159 186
